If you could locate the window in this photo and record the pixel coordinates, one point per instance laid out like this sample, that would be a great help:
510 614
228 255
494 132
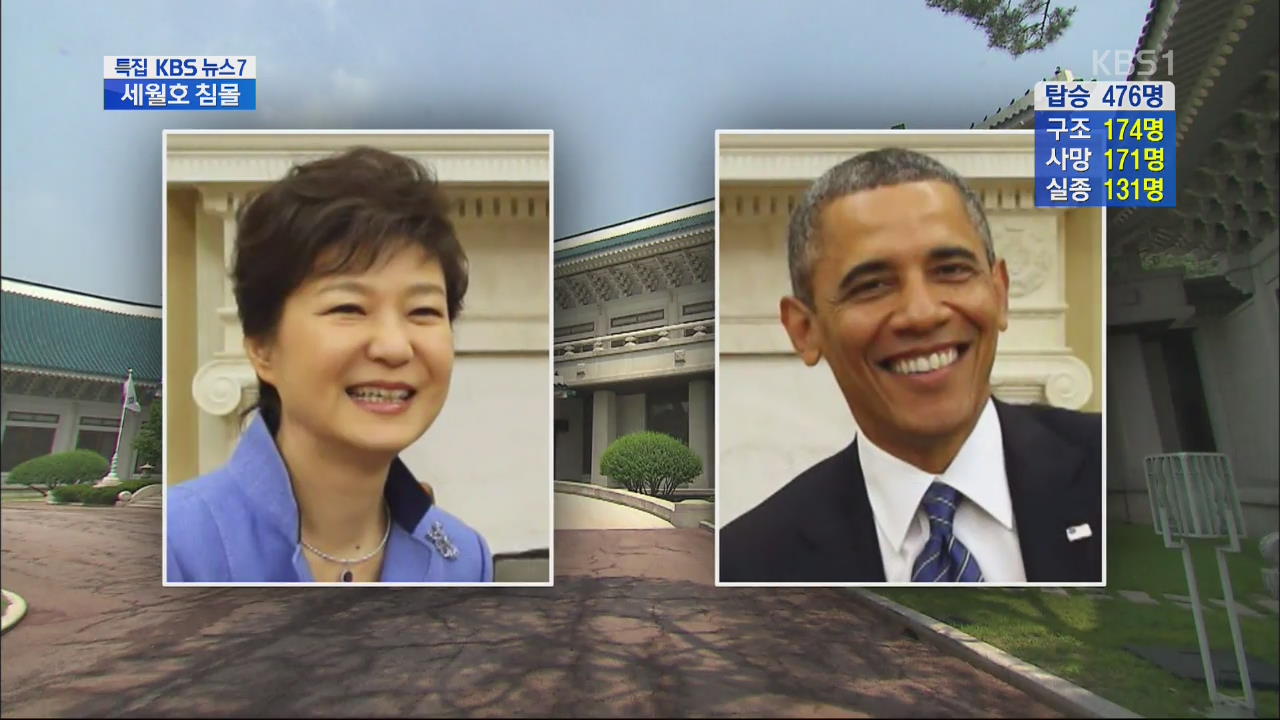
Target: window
99 435
26 435
667 411
26 417
567 330
23 443
698 308
103 443
637 318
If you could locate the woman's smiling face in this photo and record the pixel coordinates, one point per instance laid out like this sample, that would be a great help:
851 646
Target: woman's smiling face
362 360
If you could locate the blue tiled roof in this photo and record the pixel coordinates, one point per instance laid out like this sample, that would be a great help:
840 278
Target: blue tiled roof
703 219
58 336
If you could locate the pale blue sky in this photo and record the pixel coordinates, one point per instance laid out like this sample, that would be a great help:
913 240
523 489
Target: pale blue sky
634 92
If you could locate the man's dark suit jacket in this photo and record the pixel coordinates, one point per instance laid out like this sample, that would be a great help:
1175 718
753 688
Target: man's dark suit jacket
819 527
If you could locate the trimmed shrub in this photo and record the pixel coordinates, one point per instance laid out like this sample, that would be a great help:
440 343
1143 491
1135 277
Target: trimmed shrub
651 463
68 493
101 495
87 494
64 468
134 486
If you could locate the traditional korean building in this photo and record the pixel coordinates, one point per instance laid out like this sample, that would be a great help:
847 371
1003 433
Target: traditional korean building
1192 342
64 359
634 339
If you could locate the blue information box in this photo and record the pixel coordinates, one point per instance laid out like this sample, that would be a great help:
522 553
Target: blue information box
1105 145
144 82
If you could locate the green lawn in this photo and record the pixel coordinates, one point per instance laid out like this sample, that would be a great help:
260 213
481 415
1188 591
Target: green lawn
1082 639
1138 560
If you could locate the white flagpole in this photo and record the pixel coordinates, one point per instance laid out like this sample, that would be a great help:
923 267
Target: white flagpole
113 478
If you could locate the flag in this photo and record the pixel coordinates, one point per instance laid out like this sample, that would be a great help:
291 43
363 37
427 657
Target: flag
131 396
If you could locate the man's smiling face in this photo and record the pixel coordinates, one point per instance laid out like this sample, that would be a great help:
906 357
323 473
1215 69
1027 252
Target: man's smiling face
906 310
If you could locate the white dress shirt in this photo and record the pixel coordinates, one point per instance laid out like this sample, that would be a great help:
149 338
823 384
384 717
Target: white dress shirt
984 518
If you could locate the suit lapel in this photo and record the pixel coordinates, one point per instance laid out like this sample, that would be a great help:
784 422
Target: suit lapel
1043 471
841 533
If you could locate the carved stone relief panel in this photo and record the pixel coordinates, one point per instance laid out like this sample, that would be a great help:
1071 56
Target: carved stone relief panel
1030 248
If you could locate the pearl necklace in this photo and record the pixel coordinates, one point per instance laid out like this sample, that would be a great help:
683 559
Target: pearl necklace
346 563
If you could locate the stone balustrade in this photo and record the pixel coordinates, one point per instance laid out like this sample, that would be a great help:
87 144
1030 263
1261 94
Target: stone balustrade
683 514
637 339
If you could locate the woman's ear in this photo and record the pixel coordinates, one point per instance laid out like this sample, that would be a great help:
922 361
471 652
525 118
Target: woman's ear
260 356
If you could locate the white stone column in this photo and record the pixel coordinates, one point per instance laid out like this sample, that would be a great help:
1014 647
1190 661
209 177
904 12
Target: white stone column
631 414
64 435
1134 433
604 428
702 437
221 384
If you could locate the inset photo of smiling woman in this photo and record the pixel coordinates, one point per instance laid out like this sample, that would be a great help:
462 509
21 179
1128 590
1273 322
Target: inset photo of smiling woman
357 357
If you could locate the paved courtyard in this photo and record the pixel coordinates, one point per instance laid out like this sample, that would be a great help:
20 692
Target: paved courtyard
633 627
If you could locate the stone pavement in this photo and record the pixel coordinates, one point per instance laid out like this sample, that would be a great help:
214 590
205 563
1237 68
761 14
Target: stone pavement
633 627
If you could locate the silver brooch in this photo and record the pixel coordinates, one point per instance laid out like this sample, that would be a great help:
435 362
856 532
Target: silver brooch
442 542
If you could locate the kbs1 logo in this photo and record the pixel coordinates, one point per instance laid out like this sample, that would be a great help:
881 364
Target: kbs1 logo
143 82
1125 63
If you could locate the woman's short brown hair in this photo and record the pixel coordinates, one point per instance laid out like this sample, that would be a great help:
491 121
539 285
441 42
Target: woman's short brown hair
338 214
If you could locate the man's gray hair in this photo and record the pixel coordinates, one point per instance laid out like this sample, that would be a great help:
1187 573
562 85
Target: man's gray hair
868 171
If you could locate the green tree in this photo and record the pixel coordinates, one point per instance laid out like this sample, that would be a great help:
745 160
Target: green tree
147 441
1015 27
651 463
64 468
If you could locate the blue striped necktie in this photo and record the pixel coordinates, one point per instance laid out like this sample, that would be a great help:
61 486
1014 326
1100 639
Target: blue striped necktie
944 558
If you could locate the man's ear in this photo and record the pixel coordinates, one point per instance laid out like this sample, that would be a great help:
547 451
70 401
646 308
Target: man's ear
1000 275
260 355
802 328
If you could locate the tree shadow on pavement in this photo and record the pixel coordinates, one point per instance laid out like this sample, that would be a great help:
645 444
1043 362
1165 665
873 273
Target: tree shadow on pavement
587 647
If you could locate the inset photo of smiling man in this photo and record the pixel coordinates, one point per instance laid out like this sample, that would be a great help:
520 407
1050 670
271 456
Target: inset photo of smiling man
911 363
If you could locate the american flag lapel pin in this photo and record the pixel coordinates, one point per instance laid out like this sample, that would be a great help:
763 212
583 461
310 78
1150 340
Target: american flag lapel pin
1079 532
442 542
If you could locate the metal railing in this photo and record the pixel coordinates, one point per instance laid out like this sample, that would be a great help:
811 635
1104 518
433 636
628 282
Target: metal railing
1193 496
1197 493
